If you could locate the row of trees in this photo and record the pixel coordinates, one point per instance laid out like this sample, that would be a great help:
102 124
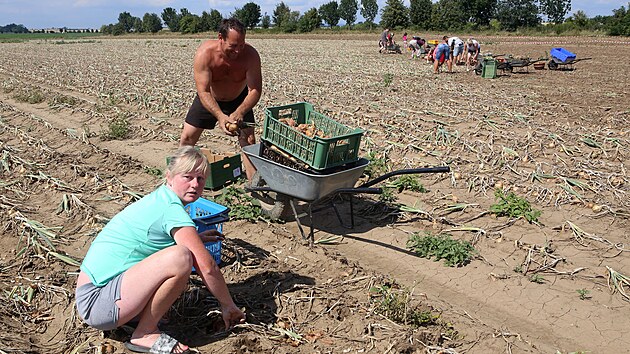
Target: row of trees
444 15
13 28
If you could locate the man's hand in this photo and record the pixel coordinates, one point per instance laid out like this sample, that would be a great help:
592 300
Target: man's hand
228 125
232 316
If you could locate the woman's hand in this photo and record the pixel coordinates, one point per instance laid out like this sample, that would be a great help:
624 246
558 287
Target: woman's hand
211 236
232 316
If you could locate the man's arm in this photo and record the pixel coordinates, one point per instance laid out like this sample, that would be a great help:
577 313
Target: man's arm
254 85
203 81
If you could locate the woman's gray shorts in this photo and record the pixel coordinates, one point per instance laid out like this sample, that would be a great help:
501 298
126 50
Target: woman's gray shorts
97 305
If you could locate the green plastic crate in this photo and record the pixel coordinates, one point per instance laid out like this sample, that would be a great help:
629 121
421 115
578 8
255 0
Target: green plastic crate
489 69
340 148
223 168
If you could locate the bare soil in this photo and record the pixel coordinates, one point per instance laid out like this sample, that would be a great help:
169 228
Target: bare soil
559 139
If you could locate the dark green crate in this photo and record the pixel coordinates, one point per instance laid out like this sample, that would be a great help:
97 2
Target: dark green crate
489 69
223 168
340 148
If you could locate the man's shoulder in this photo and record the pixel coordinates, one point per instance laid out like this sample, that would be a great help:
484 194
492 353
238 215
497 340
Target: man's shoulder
251 53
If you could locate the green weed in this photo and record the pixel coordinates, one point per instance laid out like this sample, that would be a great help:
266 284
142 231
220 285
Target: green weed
242 206
407 182
118 128
387 196
59 101
32 97
378 165
537 278
388 78
395 305
584 294
513 206
153 171
456 253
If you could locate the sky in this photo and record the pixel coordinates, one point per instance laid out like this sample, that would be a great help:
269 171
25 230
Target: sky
38 14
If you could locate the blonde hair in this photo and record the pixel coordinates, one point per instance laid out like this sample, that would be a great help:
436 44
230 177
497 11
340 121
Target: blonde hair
187 159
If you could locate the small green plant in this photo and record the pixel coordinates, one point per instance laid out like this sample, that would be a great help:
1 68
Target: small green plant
59 101
537 278
118 128
387 196
407 182
153 171
584 294
513 206
456 253
242 206
32 97
388 78
518 269
378 165
394 304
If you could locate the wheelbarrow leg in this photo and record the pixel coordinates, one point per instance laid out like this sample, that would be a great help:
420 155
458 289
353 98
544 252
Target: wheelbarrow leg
297 220
334 206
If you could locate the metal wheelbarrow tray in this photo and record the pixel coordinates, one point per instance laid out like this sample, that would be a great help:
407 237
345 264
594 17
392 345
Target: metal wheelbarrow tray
313 188
302 185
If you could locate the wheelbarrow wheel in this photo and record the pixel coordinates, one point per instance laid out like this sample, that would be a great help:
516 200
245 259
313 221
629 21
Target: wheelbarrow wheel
479 68
552 65
272 204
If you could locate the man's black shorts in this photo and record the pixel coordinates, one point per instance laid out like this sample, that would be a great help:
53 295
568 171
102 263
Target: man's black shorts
198 116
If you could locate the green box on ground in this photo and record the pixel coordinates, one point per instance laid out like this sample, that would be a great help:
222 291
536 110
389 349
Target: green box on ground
489 69
223 168
340 146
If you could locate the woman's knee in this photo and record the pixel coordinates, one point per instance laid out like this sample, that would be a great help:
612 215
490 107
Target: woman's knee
180 258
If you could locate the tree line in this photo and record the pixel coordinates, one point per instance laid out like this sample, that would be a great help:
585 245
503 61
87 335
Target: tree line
444 15
13 28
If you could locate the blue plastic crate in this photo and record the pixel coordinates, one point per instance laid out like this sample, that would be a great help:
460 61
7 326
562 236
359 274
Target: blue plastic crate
562 55
209 215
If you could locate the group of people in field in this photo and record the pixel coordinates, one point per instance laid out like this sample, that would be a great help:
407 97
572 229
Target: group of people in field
450 50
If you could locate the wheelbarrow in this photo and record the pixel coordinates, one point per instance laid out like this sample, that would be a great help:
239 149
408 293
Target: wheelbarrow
507 63
562 59
291 185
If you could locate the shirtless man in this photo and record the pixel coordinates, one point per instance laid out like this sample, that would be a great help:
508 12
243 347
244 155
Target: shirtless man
229 83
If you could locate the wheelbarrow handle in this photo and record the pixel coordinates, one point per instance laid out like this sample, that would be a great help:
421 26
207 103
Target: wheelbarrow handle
359 190
409 171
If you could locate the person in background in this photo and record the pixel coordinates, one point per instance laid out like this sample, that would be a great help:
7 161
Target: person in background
457 49
417 46
473 48
228 80
441 54
383 41
404 38
139 264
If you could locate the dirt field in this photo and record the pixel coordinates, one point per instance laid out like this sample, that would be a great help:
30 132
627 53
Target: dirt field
559 139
